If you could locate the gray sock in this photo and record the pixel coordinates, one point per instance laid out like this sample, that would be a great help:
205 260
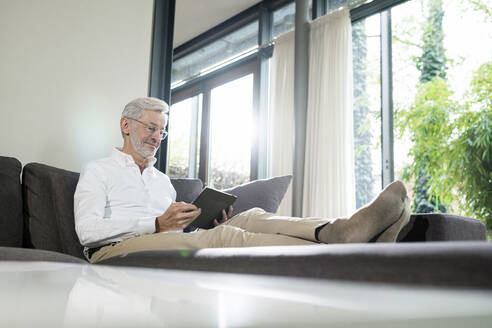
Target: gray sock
370 220
391 233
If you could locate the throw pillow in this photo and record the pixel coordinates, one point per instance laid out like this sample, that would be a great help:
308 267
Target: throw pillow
266 194
187 190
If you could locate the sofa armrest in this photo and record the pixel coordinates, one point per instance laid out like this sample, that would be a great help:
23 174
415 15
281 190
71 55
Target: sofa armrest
441 227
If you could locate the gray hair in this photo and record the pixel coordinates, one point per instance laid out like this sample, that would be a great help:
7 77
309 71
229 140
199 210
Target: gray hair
134 109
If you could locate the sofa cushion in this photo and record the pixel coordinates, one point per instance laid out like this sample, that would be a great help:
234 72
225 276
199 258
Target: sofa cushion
187 190
441 227
266 194
456 264
26 254
11 221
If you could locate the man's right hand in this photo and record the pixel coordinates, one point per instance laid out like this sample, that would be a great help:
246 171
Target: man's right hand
176 217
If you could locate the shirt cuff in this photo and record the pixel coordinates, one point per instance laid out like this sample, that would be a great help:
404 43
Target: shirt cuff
146 225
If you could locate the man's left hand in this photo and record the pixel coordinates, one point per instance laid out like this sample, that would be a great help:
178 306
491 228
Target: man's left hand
225 216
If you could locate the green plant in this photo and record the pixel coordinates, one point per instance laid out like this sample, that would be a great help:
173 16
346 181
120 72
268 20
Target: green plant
469 159
431 64
483 6
428 123
453 143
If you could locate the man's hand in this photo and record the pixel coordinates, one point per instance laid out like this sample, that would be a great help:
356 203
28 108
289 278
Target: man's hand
176 217
225 216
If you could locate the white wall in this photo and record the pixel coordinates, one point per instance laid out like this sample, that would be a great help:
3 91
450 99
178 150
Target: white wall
67 68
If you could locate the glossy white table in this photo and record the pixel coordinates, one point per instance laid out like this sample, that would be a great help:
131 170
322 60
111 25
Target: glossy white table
42 294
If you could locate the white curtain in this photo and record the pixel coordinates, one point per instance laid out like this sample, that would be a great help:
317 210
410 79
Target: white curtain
281 114
329 182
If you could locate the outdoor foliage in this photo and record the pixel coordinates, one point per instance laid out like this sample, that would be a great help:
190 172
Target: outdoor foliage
431 64
428 123
451 140
483 6
177 171
226 179
469 158
221 178
456 142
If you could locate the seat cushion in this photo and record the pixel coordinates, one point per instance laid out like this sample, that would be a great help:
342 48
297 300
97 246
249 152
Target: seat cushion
11 221
266 194
26 254
455 264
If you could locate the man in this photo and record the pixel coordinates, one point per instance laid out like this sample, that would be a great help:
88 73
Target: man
123 204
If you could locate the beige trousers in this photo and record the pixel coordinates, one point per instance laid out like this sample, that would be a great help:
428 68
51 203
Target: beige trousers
254 227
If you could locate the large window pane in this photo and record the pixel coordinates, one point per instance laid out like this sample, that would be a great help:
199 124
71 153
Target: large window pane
184 138
406 48
367 108
336 4
231 131
283 19
332 5
466 33
214 54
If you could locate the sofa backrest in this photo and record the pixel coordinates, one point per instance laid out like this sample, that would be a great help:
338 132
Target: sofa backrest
11 225
441 227
48 206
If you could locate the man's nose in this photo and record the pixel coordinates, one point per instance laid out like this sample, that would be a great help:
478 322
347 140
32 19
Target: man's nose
156 135
155 139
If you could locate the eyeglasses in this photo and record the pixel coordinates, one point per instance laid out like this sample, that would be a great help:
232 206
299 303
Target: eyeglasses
151 129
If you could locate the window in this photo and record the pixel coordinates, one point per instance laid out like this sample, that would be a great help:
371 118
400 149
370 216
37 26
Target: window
450 39
283 19
209 57
386 45
231 133
184 137
366 39
212 129
458 36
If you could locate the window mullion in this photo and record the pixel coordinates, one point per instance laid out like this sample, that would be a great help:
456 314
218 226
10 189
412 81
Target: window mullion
193 148
259 166
386 100
319 8
204 139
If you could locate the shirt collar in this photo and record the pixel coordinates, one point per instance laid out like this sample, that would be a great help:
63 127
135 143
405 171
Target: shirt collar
126 160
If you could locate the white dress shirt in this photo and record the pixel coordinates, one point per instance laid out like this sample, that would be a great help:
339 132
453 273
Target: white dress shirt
113 201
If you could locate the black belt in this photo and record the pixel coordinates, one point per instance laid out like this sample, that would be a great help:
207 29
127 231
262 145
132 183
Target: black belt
91 251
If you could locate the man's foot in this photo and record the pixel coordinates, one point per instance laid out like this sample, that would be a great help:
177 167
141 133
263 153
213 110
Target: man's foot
391 233
370 220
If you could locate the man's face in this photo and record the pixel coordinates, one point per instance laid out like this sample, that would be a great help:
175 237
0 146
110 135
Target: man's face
144 142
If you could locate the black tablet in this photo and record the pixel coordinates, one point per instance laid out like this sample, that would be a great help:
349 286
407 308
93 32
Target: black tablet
212 202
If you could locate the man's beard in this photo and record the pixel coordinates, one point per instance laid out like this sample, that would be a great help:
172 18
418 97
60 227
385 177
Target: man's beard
139 145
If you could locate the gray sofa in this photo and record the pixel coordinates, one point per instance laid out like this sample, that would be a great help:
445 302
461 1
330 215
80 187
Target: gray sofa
36 224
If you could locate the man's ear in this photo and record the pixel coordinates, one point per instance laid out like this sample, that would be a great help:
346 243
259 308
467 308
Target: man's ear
125 126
